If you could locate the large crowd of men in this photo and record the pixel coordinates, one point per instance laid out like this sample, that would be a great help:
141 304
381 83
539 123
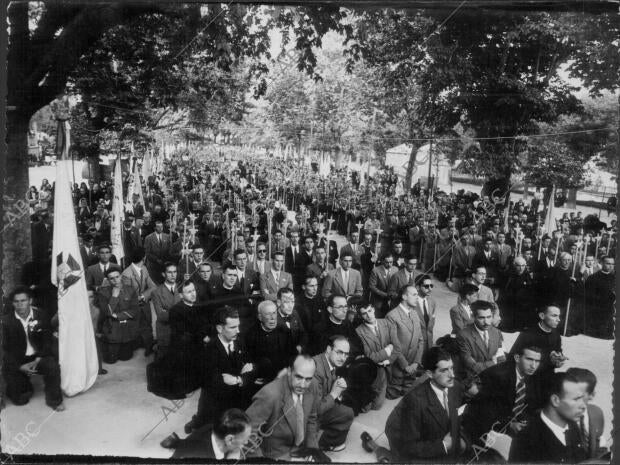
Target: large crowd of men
232 280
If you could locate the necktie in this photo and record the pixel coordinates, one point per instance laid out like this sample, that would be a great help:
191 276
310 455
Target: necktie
294 254
141 280
299 414
426 317
230 348
519 404
584 433
485 338
278 277
445 402
171 288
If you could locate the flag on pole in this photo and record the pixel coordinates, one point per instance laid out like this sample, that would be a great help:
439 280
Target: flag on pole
117 212
137 184
549 225
77 352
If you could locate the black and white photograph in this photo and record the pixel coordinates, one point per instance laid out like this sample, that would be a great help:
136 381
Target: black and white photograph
310 231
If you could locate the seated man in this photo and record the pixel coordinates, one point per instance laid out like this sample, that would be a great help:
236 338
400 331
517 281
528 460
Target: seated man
480 343
335 419
270 346
119 313
380 341
287 408
553 436
425 425
29 349
225 439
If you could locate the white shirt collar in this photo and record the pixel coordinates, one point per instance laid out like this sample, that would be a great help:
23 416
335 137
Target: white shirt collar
480 331
586 420
331 367
404 308
219 453
136 267
24 322
558 431
226 344
439 392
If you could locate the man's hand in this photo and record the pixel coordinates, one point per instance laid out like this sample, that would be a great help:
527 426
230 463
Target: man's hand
517 426
338 388
206 339
410 370
447 442
248 367
230 380
30 368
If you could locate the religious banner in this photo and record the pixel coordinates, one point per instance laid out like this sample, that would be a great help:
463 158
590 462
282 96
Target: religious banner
117 213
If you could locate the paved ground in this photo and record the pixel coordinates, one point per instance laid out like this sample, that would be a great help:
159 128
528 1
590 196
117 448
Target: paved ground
117 416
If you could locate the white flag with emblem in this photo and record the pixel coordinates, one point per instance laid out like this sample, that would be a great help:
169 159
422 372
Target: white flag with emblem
116 240
77 352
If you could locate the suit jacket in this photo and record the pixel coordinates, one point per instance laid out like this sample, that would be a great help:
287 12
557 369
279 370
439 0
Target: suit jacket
218 362
374 344
88 259
492 407
140 282
417 425
196 445
157 252
268 286
396 283
296 328
537 443
273 405
504 252
300 262
491 263
409 332
250 282
254 266
124 328
131 239
596 425
357 255
460 318
427 331
463 259
14 338
378 284
475 356
333 284
331 248
324 379
95 277
162 301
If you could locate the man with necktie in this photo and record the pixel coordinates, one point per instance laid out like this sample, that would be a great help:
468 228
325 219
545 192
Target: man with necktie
378 284
163 298
289 319
425 425
288 408
426 309
354 249
403 277
157 246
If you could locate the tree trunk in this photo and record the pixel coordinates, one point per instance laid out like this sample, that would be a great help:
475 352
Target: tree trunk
16 239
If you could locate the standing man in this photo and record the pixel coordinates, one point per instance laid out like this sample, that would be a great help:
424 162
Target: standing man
381 345
335 419
480 343
311 306
295 263
157 245
95 274
288 408
320 268
600 300
478 278
188 272
378 285
404 277
261 264
164 297
354 249
336 323
409 330
425 425
553 436
275 279
426 309
344 281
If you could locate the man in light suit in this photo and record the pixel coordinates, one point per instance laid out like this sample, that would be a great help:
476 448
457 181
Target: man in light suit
480 343
137 277
592 422
335 419
478 278
354 249
344 281
157 246
426 309
321 268
404 277
288 408
464 254
409 330
378 285
460 314
163 298
261 265
381 345
275 279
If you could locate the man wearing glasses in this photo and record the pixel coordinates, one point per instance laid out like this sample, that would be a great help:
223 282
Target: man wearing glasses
336 324
426 309
261 265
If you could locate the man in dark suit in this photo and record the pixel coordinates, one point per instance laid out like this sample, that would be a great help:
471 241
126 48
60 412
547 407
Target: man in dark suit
289 319
275 279
226 439
553 436
480 343
592 422
269 345
247 279
204 281
188 269
381 345
130 236
229 373
460 314
367 258
488 258
425 425
426 309
335 419
95 274
378 285
29 349
404 277
119 318
87 251
354 249
310 305
509 396
320 268
288 408
295 260
157 246
163 298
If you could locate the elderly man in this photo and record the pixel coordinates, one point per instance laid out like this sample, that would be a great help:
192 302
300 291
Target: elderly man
518 299
28 346
292 397
600 300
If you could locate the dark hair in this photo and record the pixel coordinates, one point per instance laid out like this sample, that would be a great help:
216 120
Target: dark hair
284 290
224 313
229 266
521 350
467 289
167 264
205 264
335 338
104 246
434 356
112 269
583 375
345 254
277 252
137 255
238 252
232 421
20 290
310 276
186 284
421 278
197 245
389 254
330 299
555 384
481 305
